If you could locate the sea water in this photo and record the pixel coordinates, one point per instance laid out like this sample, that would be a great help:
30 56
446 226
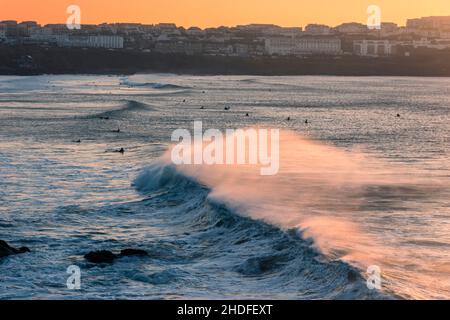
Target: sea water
358 187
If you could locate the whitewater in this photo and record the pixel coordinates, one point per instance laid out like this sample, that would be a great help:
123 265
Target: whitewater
357 186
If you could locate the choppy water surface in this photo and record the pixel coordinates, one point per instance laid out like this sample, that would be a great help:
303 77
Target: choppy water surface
358 186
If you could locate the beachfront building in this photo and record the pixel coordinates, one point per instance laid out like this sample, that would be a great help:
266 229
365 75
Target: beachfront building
374 48
434 23
98 41
27 28
288 32
195 32
425 43
2 33
282 46
173 46
106 41
9 27
352 28
321 45
302 46
318 29
268 30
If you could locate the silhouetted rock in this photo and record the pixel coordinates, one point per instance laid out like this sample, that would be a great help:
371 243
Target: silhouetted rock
7 250
133 252
121 150
103 256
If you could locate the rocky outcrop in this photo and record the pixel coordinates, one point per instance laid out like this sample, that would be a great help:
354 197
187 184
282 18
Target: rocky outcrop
133 252
105 256
101 257
7 250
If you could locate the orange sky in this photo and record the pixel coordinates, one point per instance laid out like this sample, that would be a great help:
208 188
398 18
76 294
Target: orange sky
210 13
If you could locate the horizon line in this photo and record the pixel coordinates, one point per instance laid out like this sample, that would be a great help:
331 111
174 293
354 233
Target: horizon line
209 27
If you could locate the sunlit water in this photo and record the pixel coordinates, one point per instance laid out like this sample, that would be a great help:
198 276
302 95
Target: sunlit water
358 186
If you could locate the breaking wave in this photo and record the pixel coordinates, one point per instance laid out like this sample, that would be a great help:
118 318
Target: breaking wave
153 85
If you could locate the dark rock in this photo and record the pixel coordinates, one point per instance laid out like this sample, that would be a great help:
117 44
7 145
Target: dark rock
261 265
7 250
101 257
121 150
24 250
133 252
105 256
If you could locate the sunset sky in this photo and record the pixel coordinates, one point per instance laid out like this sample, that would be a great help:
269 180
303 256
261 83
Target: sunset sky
212 13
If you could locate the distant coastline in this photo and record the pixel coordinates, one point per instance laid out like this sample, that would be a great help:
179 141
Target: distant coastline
36 60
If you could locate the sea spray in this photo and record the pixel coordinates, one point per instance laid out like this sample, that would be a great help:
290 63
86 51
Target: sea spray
321 190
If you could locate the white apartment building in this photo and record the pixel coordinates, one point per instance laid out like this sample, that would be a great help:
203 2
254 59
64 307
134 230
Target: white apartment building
374 48
330 46
100 41
108 42
282 46
438 44
302 46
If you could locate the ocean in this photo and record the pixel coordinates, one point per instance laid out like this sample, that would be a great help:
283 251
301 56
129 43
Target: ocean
364 183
